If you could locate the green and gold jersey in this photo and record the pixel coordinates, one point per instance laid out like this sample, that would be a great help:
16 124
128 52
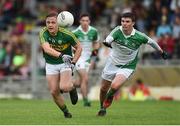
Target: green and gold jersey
86 39
125 48
61 42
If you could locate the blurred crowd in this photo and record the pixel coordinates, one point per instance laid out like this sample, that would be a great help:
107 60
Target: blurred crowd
160 19
138 91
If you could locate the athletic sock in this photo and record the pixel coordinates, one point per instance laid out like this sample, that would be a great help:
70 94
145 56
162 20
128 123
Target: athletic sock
111 93
101 103
85 100
102 97
64 109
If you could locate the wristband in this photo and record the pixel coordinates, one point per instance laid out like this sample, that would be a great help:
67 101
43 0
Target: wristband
61 54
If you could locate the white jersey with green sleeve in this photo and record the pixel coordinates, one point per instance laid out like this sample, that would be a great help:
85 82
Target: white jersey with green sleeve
86 39
125 49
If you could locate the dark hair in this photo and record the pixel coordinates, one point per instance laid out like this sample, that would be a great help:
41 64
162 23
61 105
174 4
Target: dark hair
52 14
129 15
84 15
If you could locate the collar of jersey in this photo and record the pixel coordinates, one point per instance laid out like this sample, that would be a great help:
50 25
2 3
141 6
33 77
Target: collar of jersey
126 36
80 28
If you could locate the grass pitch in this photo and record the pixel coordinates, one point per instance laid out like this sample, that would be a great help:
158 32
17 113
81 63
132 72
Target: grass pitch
40 112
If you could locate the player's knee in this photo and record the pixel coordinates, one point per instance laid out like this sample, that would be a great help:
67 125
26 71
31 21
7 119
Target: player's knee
54 93
115 86
85 80
77 85
104 87
66 88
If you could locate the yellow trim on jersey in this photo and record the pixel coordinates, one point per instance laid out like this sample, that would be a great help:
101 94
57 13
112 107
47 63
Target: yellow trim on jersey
60 47
41 38
63 30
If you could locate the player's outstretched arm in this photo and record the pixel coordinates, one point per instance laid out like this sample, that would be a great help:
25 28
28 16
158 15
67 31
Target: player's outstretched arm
46 48
154 44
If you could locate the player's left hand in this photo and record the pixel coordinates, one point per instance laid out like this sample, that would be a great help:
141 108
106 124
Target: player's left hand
72 66
165 55
67 59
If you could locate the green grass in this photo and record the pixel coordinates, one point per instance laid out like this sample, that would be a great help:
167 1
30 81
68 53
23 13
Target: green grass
40 112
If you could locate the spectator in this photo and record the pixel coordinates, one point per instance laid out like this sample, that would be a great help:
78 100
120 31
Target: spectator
19 27
174 4
175 14
140 12
154 19
176 35
6 14
19 64
167 43
2 51
176 27
165 14
139 91
177 48
163 28
6 62
2 57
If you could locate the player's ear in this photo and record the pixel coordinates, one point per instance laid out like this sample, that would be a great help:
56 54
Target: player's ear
133 23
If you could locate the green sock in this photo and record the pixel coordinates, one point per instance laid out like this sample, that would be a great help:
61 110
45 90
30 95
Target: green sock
101 105
111 93
64 108
85 100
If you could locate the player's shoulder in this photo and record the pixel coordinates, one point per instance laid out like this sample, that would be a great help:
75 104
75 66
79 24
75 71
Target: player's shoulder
76 30
43 31
116 29
93 28
65 31
140 34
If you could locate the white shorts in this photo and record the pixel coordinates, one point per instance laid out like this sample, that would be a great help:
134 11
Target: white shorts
56 68
110 71
82 64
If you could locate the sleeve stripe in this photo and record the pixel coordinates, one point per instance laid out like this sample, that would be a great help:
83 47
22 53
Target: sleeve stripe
69 33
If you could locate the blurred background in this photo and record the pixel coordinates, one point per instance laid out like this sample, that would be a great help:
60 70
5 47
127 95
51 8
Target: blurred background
22 73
